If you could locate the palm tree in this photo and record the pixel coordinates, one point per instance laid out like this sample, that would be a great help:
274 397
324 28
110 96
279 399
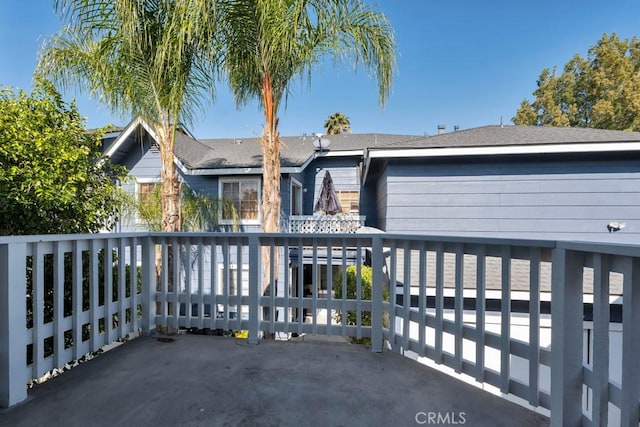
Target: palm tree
152 59
269 43
337 124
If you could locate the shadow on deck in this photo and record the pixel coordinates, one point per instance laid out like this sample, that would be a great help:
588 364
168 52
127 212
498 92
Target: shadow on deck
217 381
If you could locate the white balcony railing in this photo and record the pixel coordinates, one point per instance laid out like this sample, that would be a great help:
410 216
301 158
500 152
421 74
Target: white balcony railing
322 224
87 291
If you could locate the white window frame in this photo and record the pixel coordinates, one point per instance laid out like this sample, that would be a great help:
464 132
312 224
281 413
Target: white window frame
298 184
223 181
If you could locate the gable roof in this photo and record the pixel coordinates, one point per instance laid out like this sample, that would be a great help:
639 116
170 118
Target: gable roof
508 140
223 156
494 136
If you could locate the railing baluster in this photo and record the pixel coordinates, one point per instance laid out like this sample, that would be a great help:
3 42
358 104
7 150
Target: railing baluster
393 295
534 325
175 282
286 262
122 289
214 284
406 297
422 298
255 289
329 297
133 284
505 321
108 337
13 333
459 307
272 287
188 304
315 288
630 342
76 295
376 295
37 284
481 263
439 302
344 287
566 338
601 314
200 298
358 291
149 286
300 287
58 304
94 296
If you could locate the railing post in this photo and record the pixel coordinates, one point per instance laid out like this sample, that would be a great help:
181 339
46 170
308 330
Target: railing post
566 338
149 275
377 294
13 323
629 412
255 289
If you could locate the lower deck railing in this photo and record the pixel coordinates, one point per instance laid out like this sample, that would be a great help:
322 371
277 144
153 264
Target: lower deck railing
64 296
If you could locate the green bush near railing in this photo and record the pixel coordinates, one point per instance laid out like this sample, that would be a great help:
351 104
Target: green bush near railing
48 295
366 280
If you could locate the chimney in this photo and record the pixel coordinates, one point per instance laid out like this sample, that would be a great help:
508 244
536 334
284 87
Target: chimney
441 129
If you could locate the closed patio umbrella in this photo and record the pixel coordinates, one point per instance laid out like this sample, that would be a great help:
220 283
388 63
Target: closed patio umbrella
328 201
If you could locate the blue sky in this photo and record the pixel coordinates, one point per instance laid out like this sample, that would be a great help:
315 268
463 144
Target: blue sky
466 62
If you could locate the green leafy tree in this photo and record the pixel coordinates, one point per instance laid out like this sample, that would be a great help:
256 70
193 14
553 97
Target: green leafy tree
337 124
601 91
152 59
53 179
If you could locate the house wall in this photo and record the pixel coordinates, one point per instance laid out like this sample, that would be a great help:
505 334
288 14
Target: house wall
554 199
344 172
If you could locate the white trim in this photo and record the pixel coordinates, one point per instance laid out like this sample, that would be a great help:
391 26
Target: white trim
127 131
241 179
507 149
586 147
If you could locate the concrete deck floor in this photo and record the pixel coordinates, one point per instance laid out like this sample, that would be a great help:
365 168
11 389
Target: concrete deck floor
200 380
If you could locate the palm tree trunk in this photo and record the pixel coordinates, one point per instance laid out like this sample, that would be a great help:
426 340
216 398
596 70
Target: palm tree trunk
170 200
270 143
171 220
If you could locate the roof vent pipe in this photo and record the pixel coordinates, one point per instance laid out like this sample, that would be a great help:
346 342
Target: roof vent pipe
441 129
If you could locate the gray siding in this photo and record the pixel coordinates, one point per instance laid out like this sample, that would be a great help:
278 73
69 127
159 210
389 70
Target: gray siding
146 166
381 200
550 200
344 172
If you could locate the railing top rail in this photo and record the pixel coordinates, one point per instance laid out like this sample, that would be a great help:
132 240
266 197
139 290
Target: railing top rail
620 249
492 241
68 237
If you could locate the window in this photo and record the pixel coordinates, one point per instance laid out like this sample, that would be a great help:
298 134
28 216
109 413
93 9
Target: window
147 212
296 197
146 190
242 200
350 202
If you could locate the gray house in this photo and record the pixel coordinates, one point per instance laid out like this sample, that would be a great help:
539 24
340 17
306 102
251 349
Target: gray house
511 181
493 181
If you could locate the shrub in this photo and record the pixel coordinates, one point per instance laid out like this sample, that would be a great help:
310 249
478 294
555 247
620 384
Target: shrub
366 279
